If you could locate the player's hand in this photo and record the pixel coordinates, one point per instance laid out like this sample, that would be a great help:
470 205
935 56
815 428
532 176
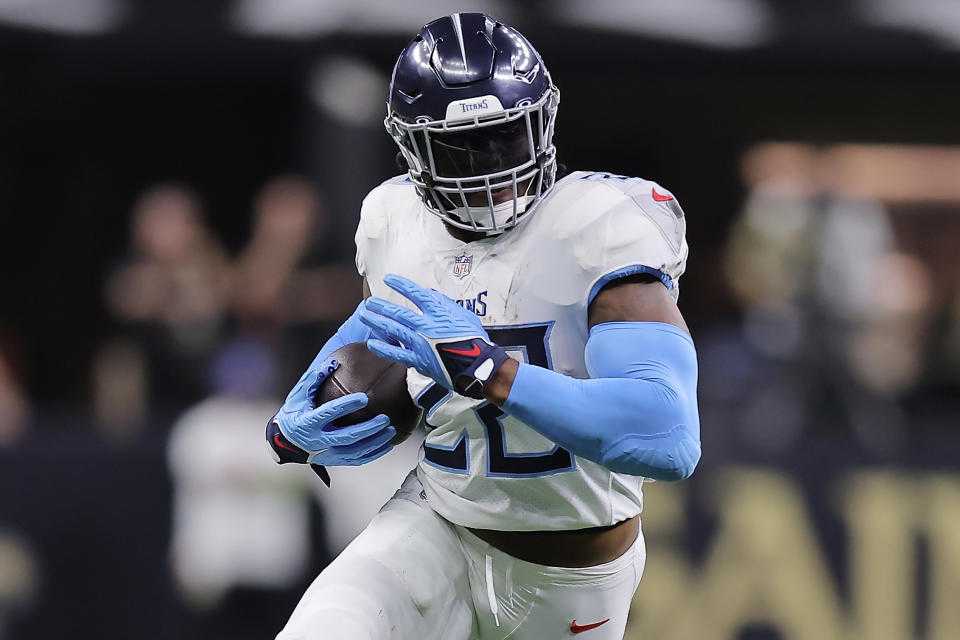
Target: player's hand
445 342
302 432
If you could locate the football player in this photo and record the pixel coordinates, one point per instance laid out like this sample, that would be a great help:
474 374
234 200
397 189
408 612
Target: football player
538 320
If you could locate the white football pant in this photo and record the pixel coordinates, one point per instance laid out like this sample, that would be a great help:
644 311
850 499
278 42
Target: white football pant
411 575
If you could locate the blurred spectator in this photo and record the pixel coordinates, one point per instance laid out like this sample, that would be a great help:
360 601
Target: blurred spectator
770 259
829 291
770 250
119 389
14 405
240 520
887 346
19 577
170 296
287 217
276 283
177 272
291 287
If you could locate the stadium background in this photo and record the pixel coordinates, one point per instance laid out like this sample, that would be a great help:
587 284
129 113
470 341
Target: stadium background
179 183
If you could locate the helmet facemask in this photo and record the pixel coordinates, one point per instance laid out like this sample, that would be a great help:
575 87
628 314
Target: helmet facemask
486 173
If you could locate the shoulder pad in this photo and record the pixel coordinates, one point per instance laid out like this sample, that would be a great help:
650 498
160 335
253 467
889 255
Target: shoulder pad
372 227
658 204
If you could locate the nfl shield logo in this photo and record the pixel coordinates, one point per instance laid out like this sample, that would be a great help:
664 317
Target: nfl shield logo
461 265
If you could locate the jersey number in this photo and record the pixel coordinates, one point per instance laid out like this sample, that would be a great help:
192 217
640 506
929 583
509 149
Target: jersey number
531 341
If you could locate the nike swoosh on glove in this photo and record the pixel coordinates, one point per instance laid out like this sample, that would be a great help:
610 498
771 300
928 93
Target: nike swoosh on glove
445 341
302 433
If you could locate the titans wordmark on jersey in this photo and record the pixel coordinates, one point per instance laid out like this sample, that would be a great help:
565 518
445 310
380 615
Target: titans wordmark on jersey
531 286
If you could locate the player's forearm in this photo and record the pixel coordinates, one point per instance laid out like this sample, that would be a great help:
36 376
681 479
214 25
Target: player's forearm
637 415
498 389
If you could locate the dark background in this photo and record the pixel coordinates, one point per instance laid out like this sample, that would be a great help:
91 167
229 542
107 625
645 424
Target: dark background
175 92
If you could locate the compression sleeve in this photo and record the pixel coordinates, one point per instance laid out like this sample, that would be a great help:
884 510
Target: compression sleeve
637 413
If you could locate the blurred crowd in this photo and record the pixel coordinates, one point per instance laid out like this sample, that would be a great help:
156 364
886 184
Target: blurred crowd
201 347
184 308
181 306
843 262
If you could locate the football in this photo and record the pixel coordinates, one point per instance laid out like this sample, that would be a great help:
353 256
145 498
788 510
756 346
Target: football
384 382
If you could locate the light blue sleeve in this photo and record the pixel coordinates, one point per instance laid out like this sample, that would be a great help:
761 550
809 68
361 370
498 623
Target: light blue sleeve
637 413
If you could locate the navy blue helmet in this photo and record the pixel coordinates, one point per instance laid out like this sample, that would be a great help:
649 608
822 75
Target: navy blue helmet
472 108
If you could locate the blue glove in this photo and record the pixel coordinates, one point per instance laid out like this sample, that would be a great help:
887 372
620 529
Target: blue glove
444 342
350 332
300 399
301 432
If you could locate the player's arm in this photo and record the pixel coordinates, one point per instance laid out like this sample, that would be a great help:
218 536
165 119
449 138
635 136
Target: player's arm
637 298
636 414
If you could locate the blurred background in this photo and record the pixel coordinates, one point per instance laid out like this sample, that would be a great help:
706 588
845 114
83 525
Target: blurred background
179 185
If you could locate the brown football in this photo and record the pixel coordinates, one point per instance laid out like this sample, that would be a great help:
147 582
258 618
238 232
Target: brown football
384 382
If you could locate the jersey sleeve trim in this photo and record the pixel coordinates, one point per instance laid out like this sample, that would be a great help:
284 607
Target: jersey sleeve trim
623 272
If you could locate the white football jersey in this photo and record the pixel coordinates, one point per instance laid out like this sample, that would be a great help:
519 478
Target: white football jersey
531 287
